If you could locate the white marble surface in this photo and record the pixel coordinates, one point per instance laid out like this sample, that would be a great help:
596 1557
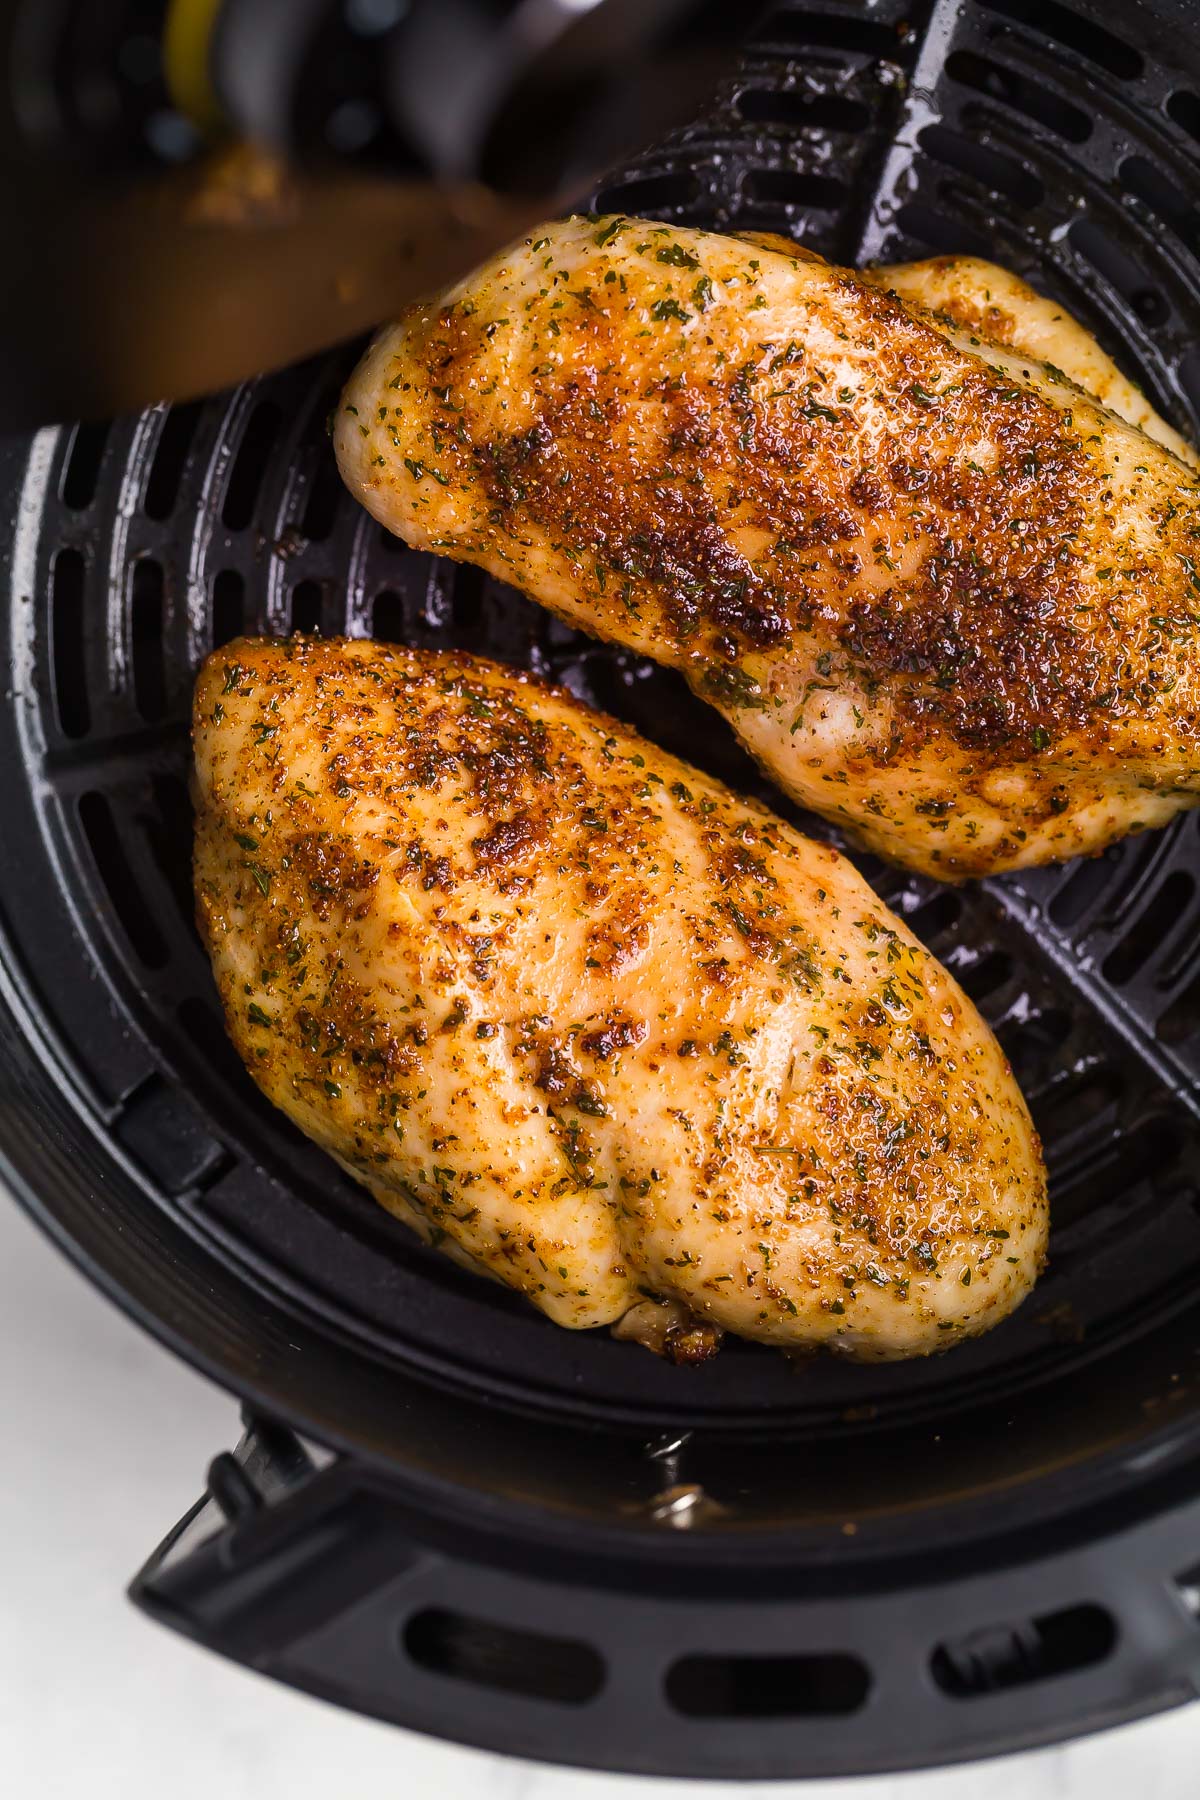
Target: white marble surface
105 1439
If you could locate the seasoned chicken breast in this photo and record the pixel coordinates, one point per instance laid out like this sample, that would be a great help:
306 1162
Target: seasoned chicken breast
590 1023
943 596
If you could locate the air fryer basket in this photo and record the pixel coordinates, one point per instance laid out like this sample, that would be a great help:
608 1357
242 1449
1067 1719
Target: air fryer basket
755 1568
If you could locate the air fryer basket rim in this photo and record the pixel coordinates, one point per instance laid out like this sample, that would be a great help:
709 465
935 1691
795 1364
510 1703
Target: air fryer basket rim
135 1140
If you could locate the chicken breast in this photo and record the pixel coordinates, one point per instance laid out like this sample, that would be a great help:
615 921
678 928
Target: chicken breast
944 597
590 1023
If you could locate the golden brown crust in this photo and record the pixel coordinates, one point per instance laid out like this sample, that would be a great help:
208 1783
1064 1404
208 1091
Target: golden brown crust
571 1009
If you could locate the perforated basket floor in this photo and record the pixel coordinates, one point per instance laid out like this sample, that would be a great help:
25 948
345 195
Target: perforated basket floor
1033 133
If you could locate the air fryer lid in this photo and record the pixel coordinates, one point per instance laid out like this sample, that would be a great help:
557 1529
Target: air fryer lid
999 1544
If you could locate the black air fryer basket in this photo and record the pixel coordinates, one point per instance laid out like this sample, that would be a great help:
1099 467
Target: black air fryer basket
551 1543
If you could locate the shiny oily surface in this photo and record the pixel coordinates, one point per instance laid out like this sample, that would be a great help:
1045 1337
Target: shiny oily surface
590 1023
942 595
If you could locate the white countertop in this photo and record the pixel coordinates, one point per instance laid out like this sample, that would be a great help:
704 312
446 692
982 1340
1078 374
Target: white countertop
106 1438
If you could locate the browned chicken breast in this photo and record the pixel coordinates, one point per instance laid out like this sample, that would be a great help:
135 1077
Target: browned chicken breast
590 1023
943 596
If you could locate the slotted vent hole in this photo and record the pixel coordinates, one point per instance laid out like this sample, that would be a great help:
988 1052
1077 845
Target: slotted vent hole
1074 1102
491 1655
1049 19
1085 886
1146 1153
82 469
1181 1019
766 1687
816 112
66 640
940 913
146 639
250 465
387 617
1007 1656
861 37
112 865
470 586
1002 174
1147 183
170 458
1020 94
169 831
1150 929
1132 862
1030 1043
324 498
789 187
650 195
306 606
1184 108
228 606
984 975
1121 271
942 233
